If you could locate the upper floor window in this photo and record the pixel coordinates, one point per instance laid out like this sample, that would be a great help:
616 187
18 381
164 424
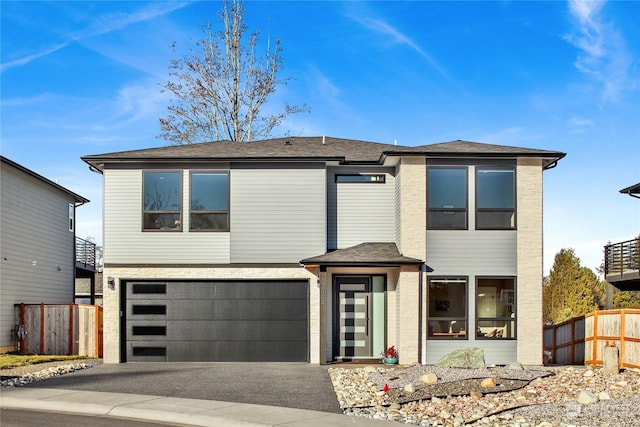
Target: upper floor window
379 178
447 198
209 201
162 201
447 307
495 198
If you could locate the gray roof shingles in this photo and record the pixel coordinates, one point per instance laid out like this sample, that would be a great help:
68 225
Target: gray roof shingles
313 148
364 254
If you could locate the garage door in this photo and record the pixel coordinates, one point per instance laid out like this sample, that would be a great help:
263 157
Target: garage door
216 321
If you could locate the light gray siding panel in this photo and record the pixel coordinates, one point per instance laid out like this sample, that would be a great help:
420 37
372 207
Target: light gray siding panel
359 212
483 252
277 215
125 242
34 241
498 352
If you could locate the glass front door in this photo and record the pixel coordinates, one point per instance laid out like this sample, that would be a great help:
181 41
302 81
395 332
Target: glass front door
354 322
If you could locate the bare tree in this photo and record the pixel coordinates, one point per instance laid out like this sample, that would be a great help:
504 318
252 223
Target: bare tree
220 88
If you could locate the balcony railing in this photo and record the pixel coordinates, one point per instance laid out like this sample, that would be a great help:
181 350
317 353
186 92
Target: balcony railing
622 261
85 254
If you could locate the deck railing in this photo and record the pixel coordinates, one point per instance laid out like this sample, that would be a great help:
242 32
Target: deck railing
622 258
85 253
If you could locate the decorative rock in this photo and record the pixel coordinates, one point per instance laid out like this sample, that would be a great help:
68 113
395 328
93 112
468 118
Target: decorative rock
476 394
470 358
395 406
611 360
429 378
488 383
603 395
588 373
586 398
409 388
516 366
369 369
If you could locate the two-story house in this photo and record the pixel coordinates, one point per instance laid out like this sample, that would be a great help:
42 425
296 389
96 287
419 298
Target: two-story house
37 242
322 249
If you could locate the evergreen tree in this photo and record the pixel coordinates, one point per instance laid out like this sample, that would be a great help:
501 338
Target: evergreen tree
571 289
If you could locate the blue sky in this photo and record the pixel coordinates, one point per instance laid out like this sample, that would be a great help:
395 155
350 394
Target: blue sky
83 78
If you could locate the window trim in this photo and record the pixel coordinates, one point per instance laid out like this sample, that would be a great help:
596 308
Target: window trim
181 216
466 198
498 319
449 318
227 211
514 210
380 178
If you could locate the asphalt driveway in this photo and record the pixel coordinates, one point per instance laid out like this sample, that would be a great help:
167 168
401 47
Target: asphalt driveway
291 385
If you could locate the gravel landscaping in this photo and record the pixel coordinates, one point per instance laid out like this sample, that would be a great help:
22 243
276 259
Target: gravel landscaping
498 397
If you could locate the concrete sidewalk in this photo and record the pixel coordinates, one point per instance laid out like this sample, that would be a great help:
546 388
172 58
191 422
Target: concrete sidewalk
191 412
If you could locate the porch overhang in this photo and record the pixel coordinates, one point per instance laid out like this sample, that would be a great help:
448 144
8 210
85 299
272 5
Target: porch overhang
370 254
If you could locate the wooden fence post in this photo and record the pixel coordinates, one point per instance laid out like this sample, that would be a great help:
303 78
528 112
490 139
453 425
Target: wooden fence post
71 329
96 344
42 321
594 352
622 334
24 326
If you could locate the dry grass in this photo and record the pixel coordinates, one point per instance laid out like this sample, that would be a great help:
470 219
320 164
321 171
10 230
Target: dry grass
8 361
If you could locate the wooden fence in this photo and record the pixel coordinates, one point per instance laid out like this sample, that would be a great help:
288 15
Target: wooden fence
581 340
71 329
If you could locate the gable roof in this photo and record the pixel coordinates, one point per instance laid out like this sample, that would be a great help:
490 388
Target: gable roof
371 253
77 198
319 148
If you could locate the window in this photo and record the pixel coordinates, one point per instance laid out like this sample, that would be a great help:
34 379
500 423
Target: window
209 201
495 198
162 200
447 198
379 179
496 308
72 216
447 308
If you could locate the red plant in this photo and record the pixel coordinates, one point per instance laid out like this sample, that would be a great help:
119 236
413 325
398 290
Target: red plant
391 352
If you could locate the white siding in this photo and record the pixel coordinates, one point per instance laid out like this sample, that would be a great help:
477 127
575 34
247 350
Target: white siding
126 243
360 212
277 215
35 240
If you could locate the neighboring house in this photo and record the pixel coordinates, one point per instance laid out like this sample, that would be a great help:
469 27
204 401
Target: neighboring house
37 243
622 260
316 249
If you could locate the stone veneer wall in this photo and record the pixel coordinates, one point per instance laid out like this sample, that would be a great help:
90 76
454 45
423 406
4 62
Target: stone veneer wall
111 299
412 243
529 248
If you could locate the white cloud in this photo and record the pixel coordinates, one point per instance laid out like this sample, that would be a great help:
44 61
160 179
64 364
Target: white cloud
101 25
604 57
384 28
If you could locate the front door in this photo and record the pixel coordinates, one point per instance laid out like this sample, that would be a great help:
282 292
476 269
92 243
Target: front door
354 317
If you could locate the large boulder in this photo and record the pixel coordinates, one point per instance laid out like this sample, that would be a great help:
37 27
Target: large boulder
470 358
